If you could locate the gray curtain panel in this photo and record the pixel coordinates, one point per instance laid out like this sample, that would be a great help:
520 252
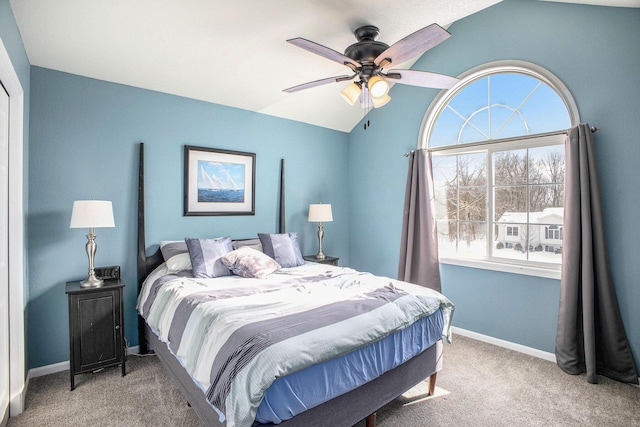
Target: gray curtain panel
591 336
419 247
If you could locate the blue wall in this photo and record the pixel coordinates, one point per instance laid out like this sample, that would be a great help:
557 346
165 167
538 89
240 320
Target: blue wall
84 128
595 52
85 136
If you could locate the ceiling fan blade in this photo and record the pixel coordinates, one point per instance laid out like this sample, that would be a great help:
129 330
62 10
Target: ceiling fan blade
413 45
318 83
422 78
324 51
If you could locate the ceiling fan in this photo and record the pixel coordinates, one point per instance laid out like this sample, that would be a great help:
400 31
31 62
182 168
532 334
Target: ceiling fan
368 57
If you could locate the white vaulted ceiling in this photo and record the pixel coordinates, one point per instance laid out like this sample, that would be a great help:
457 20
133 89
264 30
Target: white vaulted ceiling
232 53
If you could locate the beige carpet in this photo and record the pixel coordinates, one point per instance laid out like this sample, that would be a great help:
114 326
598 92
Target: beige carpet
480 385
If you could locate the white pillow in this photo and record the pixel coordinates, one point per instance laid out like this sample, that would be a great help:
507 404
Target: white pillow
175 254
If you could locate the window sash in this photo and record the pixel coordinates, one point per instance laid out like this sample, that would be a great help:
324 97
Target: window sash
488 149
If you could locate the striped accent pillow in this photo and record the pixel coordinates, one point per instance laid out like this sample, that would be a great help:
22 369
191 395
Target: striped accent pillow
283 248
205 256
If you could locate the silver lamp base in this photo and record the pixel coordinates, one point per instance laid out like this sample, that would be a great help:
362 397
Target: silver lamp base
320 255
92 281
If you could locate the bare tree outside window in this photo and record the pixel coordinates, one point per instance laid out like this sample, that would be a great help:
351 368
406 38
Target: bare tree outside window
461 187
528 189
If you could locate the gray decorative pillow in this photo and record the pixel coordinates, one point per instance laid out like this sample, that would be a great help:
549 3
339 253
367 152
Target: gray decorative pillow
283 248
252 243
175 254
205 256
248 262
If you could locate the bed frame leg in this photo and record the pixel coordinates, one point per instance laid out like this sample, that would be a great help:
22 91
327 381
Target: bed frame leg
371 420
432 384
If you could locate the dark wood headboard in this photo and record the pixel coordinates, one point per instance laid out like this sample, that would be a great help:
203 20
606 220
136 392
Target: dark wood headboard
146 264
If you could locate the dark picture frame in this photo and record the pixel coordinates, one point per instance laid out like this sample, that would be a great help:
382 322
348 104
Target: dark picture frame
218 182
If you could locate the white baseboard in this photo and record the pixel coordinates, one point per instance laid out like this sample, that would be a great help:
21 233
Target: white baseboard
5 417
48 369
506 344
16 402
512 346
63 366
54 368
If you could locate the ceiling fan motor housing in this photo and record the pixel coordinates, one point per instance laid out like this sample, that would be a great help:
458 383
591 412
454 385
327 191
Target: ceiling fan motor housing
367 49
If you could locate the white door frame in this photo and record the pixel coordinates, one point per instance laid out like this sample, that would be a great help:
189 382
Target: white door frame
16 234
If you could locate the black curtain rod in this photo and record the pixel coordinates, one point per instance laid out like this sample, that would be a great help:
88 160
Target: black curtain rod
593 130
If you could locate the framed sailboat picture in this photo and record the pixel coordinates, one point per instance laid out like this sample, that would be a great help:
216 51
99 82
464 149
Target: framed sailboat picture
218 182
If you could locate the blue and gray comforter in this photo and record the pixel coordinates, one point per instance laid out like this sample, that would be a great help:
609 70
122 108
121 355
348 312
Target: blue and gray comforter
235 336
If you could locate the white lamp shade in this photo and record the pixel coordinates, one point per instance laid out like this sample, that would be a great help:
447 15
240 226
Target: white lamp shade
91 214
320 213
351 93
378 87
379 102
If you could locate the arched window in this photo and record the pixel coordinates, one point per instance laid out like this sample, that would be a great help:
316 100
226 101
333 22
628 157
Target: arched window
497 140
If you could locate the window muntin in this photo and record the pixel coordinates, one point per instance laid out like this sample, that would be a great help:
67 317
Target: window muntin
498 164
461 204
483 110
528 193
503 215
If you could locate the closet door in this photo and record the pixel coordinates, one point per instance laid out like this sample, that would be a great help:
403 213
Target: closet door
4 253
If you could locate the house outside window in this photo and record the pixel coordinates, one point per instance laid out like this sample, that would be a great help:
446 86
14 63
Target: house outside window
497 144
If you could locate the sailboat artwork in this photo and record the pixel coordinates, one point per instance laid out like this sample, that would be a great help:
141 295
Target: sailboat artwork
220 182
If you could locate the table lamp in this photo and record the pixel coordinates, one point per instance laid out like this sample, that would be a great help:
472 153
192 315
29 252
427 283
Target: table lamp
91 214
320 213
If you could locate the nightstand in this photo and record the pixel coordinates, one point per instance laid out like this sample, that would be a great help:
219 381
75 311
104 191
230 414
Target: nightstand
96 327
331 260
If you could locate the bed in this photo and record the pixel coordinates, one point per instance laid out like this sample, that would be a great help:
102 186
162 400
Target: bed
291 343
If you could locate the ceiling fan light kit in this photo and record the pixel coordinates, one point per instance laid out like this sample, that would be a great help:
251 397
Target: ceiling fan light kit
381 101
351 93
368 58
378 87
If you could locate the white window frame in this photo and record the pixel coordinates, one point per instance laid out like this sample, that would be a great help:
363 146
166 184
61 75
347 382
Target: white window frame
527 141
550 233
